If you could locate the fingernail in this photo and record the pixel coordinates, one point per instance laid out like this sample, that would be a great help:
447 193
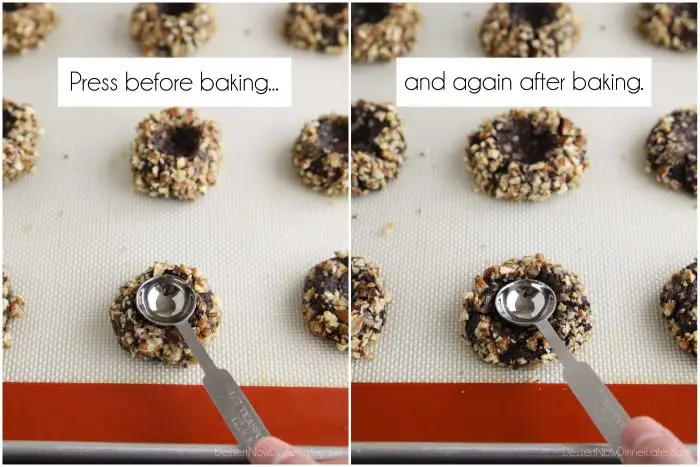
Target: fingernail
271 450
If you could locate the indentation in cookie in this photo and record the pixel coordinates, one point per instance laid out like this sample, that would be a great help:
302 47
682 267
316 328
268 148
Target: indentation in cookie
8 121
369 13
325 300
672 150
365 129
534 14
181 141
330 9
333 135
499 342
331 283
519 141
685 130
685 9
176 9
679 303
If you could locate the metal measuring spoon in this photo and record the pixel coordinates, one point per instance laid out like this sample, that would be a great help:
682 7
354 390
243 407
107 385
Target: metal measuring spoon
169 301
527 302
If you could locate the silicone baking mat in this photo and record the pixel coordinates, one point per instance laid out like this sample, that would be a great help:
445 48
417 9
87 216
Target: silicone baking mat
621 231
75 230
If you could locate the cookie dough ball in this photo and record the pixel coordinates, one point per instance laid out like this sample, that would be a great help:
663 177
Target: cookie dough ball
679 303
12 308
378 146
20 133
369 305
176 154
325 302
320 155
527 155
529 30
497 341
672 150
317 26
383 31
670 25
145 340
26 25
172 29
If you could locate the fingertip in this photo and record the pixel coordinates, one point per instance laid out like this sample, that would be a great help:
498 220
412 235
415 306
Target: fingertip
646 441
271 450
638 427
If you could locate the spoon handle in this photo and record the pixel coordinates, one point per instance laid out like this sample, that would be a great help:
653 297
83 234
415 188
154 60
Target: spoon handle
227 396
599 403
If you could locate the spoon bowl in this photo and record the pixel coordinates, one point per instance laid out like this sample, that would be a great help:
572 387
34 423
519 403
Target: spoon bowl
526 302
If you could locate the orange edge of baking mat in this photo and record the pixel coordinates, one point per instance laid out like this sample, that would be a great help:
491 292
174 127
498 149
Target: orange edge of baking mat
151 413
505 413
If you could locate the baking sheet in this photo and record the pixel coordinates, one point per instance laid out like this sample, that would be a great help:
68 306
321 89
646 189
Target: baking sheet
623 232
75 230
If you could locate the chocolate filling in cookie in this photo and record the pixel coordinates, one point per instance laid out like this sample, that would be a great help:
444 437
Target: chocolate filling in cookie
333 135
8 122
176 154
172 29
175 9
378 146
10 7
366 128
534 14
383 31
320 154
317 26
521 142
499 342
670 25
20 134
144 339
369 13
689 10
182 141
325 300
672 150
330 9
527 155
679 303
529 30
369 306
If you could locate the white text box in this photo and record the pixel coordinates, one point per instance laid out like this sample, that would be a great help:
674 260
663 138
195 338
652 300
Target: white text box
523 82
170 82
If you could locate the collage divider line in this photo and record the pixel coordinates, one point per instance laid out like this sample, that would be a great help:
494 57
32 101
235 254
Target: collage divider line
349 110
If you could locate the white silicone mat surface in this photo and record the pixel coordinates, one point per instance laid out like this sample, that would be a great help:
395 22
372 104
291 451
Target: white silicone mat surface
75 230
623 232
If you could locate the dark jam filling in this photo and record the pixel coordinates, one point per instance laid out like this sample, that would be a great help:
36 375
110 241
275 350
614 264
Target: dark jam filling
518 141
182 141
175 9
8 121
333 135
534 14
369 13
